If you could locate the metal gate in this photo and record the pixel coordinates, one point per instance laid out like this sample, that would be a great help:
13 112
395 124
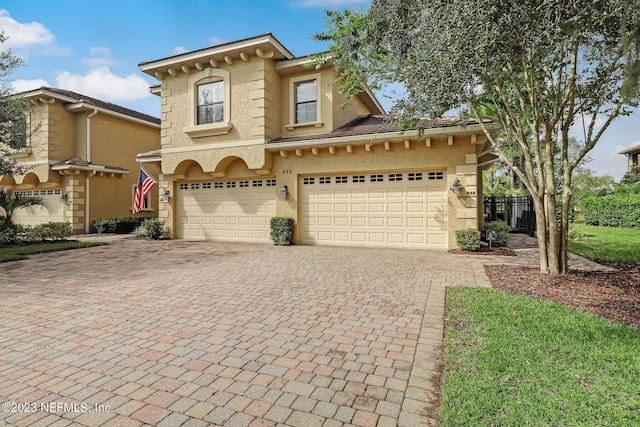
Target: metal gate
518 212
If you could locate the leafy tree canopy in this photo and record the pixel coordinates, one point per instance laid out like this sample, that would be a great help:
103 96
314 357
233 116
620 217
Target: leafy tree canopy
537 68
13 129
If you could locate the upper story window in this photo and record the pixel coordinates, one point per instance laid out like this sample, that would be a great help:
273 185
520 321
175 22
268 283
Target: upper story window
209 103
305 101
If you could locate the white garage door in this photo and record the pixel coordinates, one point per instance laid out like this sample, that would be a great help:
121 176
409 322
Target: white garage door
392 209
53 210
233 211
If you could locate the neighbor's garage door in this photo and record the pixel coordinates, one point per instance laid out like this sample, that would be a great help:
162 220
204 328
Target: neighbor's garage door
392 209
233 211
52 211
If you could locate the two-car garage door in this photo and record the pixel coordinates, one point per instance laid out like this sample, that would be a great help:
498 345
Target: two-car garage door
391 209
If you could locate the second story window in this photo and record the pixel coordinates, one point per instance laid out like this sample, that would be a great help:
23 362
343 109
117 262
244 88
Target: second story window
211 102
306 102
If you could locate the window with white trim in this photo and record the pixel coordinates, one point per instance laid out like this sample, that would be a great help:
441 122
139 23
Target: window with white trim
145 201
209 103
436 176
305 101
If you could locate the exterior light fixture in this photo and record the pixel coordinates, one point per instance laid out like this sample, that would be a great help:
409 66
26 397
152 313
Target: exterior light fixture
165 196
456 186
284 191
64 198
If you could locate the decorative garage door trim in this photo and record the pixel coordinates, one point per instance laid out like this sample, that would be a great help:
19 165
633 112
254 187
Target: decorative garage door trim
387 208
232 210
53 210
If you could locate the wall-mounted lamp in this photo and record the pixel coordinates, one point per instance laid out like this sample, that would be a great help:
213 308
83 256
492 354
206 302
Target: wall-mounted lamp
64 198
284 191
165 196
456 186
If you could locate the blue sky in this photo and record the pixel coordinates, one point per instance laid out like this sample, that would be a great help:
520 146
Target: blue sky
94 47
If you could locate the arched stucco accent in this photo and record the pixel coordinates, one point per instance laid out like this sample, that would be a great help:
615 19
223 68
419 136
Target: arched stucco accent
31 179
7 181
188 167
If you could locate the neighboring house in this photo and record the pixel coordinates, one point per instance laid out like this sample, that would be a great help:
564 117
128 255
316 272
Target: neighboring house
633 154
249 132
81 158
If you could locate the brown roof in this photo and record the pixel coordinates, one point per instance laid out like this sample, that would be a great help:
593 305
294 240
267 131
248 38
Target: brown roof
102 104
374 124
76 161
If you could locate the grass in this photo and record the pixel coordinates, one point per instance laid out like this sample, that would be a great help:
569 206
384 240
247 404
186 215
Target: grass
517 361
606 243
15 253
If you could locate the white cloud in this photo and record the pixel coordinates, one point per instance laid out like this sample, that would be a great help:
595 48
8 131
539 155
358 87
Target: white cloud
101 83
329 4
178 50
23 35
97 50
21 85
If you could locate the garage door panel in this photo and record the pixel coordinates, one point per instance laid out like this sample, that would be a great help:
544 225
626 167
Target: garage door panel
380 209
226 210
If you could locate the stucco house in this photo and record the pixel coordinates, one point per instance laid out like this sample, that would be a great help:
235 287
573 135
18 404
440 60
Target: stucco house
250 131
80 157
633 155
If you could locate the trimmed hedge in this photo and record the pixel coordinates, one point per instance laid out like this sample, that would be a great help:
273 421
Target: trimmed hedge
151 228
615 210
281 230
468 240
122 225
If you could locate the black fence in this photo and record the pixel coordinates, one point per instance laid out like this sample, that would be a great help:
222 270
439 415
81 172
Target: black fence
518 212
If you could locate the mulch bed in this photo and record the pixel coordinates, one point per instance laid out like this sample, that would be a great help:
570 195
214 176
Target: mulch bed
484 250
611 295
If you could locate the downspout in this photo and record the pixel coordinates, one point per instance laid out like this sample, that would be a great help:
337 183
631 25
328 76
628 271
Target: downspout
86 181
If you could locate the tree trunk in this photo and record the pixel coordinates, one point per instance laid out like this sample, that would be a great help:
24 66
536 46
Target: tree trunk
541 230
550 196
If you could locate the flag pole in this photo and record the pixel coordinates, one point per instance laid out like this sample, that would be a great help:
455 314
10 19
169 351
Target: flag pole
148 174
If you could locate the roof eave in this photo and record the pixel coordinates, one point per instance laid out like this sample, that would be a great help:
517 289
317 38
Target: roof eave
83 106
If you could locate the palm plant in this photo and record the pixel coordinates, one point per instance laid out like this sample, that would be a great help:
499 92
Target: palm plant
12 203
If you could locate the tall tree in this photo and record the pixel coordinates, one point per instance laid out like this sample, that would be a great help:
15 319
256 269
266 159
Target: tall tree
13 124
535 67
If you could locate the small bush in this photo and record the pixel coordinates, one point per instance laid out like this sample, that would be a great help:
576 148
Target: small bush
7 236
468 240
502 232
151 228
282 230
121 225
52 231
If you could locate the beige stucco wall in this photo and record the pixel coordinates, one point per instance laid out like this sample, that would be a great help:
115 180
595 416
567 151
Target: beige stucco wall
61 135
457 160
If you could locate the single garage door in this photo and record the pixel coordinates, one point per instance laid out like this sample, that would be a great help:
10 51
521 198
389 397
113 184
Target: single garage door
391 209
233 210
52 211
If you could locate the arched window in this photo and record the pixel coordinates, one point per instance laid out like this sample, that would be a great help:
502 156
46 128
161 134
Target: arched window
209 103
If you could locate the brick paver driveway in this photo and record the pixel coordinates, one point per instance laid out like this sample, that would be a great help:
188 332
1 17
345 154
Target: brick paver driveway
178 333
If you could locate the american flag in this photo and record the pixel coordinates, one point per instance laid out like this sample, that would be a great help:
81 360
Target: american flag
145 184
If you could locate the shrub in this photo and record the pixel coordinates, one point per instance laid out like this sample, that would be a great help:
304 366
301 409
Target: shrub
282 230
121 225
151 228
615 210
52 231
7 236
502 232
468 240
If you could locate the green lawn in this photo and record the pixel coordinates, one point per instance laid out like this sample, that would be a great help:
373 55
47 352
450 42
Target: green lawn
518 361
15 253
606 243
